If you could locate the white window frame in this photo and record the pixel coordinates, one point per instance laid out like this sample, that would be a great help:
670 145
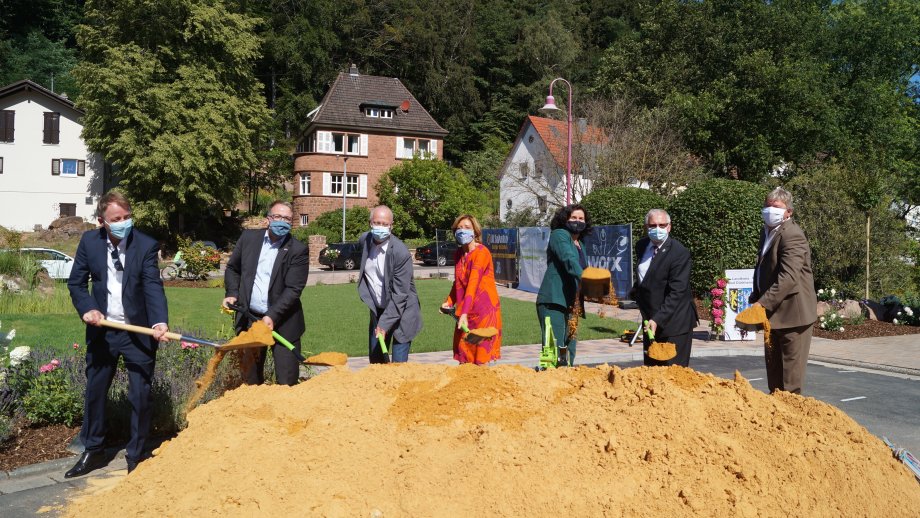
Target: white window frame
402 148
335 184
379 113
304 220
356 183
353 185
305 184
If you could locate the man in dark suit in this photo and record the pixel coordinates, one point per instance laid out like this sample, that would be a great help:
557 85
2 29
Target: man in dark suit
122 264
785 286
266 273
663 289
386 286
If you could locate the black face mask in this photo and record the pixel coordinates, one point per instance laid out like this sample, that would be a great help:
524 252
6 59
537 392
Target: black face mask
575 227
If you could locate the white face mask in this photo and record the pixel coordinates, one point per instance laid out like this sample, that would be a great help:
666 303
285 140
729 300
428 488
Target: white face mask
772 216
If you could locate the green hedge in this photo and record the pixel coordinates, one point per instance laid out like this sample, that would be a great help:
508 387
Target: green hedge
621 206
719 222
329 224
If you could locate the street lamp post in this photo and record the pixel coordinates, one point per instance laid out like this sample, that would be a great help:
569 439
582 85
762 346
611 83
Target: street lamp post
550 106
344 192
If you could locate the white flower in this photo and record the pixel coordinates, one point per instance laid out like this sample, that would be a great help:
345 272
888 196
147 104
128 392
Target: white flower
19 355
833 292
821 291
823 326
841 329
900 313
909 311
11 335
834 315
895 321
821 319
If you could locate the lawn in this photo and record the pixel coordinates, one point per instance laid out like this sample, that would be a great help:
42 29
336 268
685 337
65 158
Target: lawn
336 320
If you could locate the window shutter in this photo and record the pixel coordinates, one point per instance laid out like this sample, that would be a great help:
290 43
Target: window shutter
399 147
7 123
362 186
325 141
81 168
52 128
55 167
363 150
433 148
327 184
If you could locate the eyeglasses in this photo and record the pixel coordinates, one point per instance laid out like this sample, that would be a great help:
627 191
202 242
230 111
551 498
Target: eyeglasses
659 225
116 261
279 217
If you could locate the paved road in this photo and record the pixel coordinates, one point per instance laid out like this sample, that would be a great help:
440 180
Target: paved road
888 405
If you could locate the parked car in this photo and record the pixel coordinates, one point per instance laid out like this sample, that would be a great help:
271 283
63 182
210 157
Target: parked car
440 253
349 256
57 264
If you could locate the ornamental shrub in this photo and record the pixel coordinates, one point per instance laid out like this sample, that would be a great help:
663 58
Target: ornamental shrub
622 206
52 399
199 258
719 221
329 224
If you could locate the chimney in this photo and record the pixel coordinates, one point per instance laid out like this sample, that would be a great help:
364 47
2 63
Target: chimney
353 71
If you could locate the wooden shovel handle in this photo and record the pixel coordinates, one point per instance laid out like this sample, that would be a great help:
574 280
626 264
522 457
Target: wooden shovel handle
137 329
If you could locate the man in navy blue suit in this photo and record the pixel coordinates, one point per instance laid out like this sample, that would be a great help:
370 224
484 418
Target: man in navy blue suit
126 288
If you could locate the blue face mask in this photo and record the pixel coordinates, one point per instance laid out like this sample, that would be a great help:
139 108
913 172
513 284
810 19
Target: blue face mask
279 228
121 229
657 234
464 236
380 233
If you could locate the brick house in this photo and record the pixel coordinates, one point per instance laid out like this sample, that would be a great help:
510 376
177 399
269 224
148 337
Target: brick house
364 126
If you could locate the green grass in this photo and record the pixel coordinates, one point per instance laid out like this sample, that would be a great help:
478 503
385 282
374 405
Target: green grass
336 320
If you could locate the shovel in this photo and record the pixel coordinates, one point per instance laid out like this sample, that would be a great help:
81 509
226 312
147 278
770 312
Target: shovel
661 351
230 346
473 336
321 359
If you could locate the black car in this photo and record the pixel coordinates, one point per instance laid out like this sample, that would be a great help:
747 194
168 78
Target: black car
440 253
349 256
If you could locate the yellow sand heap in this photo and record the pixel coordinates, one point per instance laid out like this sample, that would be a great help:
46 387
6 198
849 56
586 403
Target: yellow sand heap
329 358
445 441
662 351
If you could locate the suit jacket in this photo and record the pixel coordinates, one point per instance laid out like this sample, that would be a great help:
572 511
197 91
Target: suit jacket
664 294
402 316
142 292
784 283
289 276
563 270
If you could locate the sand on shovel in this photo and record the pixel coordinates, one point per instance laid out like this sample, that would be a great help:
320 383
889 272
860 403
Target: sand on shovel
329 358
662 351
436 440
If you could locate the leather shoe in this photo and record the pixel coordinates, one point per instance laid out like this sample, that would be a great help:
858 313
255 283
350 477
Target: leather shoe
89 461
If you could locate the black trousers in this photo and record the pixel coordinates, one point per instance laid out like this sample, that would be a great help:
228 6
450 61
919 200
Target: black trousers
683 343
287 367
101 361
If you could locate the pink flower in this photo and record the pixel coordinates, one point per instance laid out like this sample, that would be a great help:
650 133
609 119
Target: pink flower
717 292
188 345
76 345
717 303
717 320
717 312
55 362
721 283
48 367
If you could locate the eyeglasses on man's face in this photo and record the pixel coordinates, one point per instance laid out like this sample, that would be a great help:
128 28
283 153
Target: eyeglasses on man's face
279 217
659 225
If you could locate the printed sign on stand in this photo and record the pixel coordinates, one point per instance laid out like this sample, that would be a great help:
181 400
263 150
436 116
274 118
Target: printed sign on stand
738 291
502 244
533 242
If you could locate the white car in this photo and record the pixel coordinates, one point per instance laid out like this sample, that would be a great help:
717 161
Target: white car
57 264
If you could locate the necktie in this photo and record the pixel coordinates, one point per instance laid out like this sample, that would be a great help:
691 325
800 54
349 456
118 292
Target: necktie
116 261
654 251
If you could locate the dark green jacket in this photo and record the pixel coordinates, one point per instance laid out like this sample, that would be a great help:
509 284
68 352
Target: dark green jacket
563 270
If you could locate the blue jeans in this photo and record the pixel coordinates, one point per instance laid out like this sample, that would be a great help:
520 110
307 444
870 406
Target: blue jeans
399 351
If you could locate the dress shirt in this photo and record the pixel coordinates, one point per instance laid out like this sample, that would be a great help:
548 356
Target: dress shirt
115 310
259 300
374 269
646 260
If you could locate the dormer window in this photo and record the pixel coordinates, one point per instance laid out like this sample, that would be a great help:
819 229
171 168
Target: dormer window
379 113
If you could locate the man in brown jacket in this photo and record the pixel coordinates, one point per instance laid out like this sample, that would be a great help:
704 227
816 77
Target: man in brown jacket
784 285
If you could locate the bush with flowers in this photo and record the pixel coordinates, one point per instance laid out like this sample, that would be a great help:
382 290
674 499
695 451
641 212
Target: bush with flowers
716 305
52 399
832 320
827 295
907 316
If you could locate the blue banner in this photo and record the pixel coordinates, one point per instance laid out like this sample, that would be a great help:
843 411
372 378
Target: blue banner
610 247
502 244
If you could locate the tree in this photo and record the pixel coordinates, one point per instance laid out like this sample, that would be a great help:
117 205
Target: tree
171 101
426 195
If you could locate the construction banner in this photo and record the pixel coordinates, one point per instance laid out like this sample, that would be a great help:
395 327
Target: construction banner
502 243
610 247
739 289
532 263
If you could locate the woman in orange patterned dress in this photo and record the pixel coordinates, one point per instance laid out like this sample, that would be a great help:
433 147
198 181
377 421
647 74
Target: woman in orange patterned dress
474 297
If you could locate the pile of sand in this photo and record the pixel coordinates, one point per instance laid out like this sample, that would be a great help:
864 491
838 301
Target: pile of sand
416 440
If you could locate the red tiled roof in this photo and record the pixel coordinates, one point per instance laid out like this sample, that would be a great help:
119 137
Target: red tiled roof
555 135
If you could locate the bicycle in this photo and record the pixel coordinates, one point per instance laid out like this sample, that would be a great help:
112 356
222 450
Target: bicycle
178 270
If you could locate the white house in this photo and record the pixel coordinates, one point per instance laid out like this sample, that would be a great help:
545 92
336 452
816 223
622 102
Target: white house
533 175
45 169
